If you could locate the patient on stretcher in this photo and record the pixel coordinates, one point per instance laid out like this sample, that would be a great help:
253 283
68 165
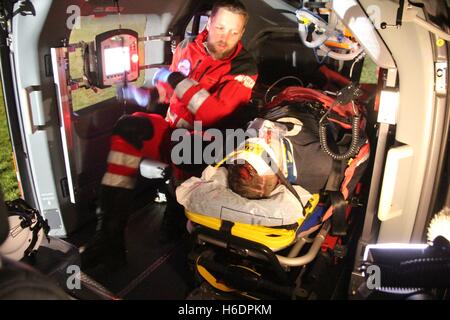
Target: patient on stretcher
244 180
211 196
246 188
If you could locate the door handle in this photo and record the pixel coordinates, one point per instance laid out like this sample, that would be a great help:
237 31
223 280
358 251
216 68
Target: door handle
35 107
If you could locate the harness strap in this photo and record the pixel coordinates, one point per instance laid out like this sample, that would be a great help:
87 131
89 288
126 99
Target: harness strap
225 228
290 161
338 204
338 219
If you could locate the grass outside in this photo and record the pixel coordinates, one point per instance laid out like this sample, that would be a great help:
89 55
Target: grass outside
8 179
369 73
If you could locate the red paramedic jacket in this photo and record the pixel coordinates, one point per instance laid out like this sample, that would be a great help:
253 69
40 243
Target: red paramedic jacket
213 89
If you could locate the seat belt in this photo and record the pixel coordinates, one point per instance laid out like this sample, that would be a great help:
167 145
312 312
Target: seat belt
339 223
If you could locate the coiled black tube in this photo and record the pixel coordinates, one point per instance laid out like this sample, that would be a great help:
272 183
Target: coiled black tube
354 145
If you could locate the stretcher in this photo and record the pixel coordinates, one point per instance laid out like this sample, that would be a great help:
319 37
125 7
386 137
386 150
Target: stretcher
257 261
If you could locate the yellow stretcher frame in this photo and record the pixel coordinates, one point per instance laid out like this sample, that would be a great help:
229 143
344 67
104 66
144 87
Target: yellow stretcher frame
274 238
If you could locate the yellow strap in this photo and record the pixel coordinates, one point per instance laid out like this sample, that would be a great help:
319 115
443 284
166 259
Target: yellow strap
248 147
304 20
228 156
211 279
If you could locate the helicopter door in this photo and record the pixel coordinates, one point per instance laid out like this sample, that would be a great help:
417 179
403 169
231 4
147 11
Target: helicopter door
60 65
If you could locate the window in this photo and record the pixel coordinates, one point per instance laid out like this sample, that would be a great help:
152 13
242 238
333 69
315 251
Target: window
369 73
90 27
191 27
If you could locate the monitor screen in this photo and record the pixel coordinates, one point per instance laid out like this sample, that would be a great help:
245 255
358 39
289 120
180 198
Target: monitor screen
117 60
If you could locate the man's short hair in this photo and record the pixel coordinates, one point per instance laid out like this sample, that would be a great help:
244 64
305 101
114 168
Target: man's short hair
244 180
234 6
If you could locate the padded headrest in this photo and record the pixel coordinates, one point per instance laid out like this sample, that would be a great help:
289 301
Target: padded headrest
4 225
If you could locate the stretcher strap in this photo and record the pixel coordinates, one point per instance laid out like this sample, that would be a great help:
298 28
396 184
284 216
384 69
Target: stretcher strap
226 226
290 163
338 219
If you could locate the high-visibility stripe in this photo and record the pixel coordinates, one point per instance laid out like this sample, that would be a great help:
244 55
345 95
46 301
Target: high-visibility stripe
177 121
123 159
115 180
171 117
184 86
184 124
197 100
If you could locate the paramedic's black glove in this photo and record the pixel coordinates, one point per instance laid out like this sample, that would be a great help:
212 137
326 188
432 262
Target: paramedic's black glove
165 75
141 96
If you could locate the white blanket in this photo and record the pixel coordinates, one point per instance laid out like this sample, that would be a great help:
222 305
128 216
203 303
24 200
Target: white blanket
210 196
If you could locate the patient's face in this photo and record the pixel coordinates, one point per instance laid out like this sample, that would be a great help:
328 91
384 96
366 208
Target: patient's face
245 181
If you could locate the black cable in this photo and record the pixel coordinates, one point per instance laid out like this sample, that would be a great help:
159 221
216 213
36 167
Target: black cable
416 4
354 145
116 2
